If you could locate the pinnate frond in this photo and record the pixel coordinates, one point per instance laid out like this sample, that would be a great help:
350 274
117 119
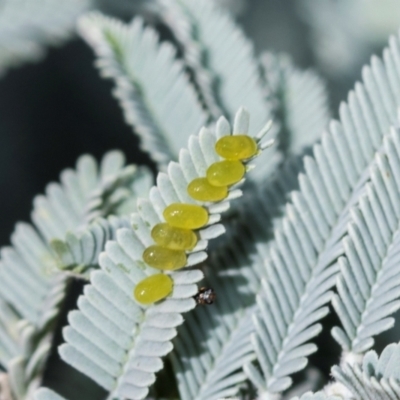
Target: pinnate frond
32 287
177 19
64 208
25 271
119 188
368 286
213 344
299 272
209 350
113 191
79 252
31 297
146 86
8 333
112 338
224 66
376 378
89 192
221 56
300 101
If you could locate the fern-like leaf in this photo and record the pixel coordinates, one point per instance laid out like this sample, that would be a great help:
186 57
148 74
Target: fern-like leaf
110 322
217 347
215 343
376 378
300 102
298 274
146 86
8 332
244 266
89 192
120 185
114 194
226 72
26 27
368 286
32 287
79 252
221 56
175 18
241 258
26 273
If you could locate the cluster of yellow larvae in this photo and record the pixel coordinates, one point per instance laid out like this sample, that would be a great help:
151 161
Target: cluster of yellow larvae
178 234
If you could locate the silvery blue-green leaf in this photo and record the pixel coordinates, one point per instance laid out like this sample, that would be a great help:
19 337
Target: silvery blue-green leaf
224 66
26 333
25 271
374 378
110 323
221 55
212 346
119 188
32 288
368 286
300 101
78 252
386 366
184 30
25 368
235 260
139 184
115 194
210 42
8 333
146 86
88 193
298 271
66 208
26 27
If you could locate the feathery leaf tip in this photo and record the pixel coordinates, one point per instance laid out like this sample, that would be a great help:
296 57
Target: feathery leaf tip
113 338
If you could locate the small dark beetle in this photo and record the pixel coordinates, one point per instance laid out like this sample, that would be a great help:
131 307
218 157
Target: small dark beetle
205 296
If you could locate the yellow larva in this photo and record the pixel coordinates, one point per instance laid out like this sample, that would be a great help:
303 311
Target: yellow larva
225 173
202 190
236 147
165 259
173 238
186 216
153 288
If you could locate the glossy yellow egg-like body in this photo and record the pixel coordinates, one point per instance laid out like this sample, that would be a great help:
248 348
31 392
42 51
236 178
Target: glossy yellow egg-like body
163 258
236 147
186 216
202 190
153 288
174 238
225 173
